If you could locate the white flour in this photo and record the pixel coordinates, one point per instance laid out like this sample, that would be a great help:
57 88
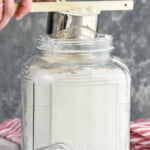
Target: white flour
86 108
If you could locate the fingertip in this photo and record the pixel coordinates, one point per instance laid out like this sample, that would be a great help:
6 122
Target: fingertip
24 9
18 18
21 13
1 29
18 15
3 25
7 12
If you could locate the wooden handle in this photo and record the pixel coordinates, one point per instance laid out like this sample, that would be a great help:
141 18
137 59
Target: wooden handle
72 6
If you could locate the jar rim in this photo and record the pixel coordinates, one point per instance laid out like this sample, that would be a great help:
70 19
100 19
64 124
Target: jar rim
102 42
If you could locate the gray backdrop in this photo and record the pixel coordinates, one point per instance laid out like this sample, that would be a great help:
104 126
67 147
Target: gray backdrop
131 32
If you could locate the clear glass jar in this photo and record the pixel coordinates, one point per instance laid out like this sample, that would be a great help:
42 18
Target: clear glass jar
75 95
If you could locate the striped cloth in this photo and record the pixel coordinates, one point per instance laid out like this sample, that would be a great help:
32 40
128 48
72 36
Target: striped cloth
140 135
11 130
139 131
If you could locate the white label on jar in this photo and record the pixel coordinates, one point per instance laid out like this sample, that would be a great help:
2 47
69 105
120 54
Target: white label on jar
85 116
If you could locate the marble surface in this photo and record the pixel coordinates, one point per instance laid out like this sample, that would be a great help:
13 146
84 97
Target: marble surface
7 145
131 32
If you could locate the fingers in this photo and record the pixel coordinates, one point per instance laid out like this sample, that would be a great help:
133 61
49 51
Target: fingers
1 9
24 8
7 11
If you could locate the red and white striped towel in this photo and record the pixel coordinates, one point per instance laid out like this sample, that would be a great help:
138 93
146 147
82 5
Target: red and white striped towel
11 130
139 130
140 135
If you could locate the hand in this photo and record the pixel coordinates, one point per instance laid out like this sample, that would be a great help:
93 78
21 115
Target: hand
7 10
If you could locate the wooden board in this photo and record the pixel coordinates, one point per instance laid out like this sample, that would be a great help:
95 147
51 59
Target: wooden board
73 6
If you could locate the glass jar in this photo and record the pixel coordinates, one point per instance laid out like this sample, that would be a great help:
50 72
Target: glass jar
75 96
